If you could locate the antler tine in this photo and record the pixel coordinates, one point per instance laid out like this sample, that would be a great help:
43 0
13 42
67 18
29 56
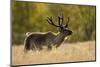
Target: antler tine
60 20
67 23
51 22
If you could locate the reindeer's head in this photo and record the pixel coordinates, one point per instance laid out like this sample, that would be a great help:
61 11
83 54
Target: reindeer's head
61 27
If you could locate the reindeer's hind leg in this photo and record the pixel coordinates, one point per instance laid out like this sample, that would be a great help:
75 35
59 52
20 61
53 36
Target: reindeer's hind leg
49 47
33 47
39 47
26 45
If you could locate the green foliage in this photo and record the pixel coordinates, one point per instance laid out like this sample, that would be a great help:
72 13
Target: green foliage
31 17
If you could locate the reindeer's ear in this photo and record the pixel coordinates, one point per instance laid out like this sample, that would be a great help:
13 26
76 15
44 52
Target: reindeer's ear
59 29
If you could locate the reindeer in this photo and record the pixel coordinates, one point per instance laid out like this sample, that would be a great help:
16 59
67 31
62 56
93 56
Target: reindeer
36 41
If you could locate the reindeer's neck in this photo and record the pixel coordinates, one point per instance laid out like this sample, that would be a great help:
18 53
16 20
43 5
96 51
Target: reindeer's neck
59 38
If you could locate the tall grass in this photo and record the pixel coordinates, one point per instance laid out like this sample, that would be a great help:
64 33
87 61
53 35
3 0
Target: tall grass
73 52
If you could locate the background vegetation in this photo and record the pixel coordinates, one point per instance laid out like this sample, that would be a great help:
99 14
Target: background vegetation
31 17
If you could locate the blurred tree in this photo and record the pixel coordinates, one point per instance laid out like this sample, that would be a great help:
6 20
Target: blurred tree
31 17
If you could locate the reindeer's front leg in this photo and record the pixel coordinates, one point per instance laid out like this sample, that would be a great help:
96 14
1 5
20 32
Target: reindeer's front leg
58 45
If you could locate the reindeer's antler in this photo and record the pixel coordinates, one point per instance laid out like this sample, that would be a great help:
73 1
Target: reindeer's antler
50 21
60 21
66 26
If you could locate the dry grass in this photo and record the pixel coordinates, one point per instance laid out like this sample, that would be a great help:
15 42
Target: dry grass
73 52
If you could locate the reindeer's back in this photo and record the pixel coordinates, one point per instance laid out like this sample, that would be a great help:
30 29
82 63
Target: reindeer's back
41 38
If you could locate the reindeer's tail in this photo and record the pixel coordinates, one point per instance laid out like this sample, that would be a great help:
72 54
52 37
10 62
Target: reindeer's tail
27 34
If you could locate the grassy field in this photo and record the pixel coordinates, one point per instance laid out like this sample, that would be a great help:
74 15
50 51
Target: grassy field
72 52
